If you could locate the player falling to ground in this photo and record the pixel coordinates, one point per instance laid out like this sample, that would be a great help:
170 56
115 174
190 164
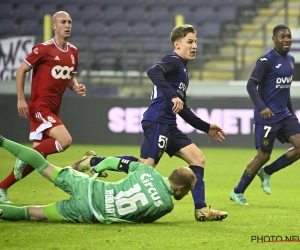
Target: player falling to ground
54 65
269 88
161 134
144 196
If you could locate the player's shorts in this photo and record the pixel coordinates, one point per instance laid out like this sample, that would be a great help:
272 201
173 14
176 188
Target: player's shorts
77 208
41 123
265 134
160 138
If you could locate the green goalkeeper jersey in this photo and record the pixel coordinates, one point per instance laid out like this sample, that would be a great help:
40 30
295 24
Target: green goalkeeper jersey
144 196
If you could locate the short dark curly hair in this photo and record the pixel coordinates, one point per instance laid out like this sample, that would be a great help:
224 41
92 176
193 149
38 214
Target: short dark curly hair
280 27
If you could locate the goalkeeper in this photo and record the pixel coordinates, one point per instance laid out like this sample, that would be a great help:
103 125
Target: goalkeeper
144 196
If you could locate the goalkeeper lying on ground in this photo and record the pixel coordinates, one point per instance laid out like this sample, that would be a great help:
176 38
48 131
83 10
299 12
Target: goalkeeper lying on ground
144 196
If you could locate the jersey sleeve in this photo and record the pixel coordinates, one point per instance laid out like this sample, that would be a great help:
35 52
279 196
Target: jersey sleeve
76 60
36 56
261 69
156 74
188 115
119 164
254 95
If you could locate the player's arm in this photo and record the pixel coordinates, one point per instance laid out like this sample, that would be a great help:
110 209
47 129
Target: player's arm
157 75
78 88
290 106
213 130
261 69
189 116
20 82
116 164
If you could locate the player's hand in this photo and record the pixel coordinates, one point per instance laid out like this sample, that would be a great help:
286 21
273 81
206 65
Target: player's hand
80 89
216 132
266 114
178 105
93 171
22 108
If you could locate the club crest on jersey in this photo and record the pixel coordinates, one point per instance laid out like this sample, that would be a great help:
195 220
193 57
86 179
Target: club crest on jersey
51 119
160 154
292 65
265 142
36 51
72 59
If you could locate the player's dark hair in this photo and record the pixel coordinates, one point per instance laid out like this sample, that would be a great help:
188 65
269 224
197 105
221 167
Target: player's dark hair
183 177
181 31
280 27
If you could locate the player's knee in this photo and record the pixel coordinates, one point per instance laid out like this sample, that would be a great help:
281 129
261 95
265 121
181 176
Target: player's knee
148 161
263 157
65 142
297 152
198 161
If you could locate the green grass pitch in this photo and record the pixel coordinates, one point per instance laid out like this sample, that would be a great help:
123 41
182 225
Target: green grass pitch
267 216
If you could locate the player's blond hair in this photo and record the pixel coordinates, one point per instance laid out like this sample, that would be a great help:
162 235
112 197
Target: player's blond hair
183 176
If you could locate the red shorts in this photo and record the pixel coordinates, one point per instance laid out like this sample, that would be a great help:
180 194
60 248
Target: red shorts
41 123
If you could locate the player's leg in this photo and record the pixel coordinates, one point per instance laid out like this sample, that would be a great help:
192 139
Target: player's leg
290 132
91 159
181 146
13 213
264 140
49 136
154 142
53 137
35 159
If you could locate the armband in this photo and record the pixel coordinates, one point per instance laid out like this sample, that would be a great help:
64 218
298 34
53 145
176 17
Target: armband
124 165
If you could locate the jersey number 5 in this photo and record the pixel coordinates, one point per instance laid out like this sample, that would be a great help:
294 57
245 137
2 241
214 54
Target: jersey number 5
162 141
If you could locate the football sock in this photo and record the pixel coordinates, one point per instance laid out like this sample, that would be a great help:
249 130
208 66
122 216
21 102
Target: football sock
95 160
280 163
245 181
15 213
25 154
27 170
46 147
198 192
49 146
8 181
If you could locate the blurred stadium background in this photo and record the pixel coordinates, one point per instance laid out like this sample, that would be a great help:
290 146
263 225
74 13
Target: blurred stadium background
118 40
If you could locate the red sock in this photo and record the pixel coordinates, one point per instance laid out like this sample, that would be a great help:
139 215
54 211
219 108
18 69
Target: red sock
8 181
27 170
46 147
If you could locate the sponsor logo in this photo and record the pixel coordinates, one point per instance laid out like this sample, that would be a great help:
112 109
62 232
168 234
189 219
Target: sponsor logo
146 179
62 72
233 121
283 82
278 66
